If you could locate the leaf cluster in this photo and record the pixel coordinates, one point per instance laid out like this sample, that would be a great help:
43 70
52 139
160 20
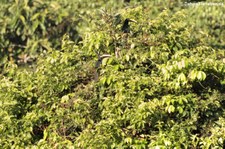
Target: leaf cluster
161 87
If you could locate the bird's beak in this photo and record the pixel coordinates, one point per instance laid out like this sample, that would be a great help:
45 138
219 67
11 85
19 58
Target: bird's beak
131 20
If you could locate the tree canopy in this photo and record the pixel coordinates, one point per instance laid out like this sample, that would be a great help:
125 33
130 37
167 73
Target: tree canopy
162 84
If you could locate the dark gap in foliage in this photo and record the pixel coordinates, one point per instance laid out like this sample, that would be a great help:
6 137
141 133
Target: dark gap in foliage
21 108
147 67
38 129
69 132
212 82
217 46
206 118
75 86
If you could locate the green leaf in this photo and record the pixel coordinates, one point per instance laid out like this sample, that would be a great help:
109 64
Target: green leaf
182 78
180 109
23 20
35 16
109 79
181 64
45 135
201 75
128 140
193 75
127 57
64 99
103 80
171 109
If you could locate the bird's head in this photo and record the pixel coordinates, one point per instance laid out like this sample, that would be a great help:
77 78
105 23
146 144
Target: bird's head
130 20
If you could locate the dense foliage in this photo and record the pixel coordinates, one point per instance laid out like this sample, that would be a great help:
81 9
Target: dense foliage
163 85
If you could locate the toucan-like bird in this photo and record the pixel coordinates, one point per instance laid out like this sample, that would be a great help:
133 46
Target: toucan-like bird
126 27
98 63
126 1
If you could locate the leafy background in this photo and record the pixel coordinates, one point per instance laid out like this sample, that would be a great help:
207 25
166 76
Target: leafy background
162 87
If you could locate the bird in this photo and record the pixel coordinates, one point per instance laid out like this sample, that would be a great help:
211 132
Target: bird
126 27
98 63
126 1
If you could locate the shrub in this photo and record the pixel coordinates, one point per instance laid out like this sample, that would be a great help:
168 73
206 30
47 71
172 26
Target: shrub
161 87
